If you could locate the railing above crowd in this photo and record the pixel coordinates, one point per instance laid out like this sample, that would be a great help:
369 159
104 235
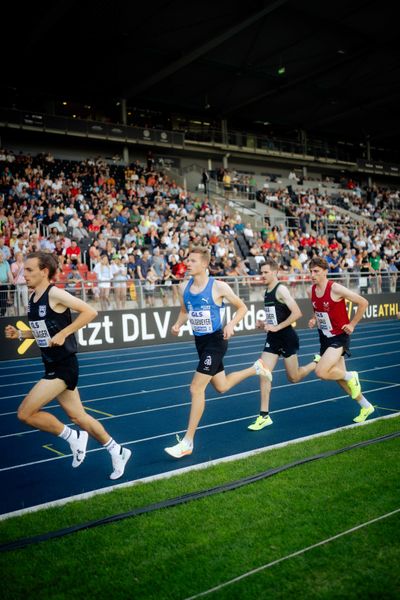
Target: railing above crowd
91 211
136 294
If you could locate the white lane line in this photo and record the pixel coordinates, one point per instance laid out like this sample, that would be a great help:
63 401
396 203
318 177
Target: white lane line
166 374
234 343
292 555
232 354
232 347
153 390
213 399
182 470
209 426
384 324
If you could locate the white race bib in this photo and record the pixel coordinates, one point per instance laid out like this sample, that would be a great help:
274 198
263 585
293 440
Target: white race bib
270 315
200 321
324 323
40 333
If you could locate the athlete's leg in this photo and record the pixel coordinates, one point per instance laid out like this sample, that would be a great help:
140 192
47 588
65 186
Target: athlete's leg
296 373
270 361
223 382
342 382
330 366
263 420
197 392
71 403
184 447
366 408
41 394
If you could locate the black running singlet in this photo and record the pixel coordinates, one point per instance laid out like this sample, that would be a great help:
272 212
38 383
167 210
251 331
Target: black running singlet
275 312
45 323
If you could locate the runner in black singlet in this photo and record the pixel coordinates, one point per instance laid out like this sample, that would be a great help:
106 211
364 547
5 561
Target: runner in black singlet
281 311
49 315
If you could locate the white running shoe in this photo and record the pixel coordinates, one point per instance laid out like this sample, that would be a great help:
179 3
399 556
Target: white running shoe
262 370
119 463
181 449
78 447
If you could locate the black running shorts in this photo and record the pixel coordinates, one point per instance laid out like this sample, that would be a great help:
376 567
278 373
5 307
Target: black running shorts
66 369
211 349
336 341
284 343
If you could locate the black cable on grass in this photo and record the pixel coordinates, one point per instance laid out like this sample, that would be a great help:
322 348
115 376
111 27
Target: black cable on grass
225 487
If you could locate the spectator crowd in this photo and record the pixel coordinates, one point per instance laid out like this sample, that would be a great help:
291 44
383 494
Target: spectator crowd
119 231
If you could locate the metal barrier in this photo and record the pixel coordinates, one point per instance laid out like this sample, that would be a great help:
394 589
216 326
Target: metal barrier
139 294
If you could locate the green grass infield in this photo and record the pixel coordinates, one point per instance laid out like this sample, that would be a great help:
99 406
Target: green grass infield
183 551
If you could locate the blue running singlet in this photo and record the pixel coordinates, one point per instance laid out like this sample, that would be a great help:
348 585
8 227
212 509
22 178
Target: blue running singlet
205 315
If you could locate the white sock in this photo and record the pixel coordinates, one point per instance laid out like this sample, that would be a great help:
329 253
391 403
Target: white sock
68 434
189 443
364 402
112 447
348 375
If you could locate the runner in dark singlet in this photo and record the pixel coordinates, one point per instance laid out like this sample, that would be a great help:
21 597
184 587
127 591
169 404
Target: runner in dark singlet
281 311
49 315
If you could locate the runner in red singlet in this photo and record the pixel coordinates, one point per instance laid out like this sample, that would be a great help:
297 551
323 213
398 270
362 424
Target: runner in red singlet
334 328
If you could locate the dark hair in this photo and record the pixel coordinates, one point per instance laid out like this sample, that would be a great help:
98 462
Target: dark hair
318 261
46 261
271 263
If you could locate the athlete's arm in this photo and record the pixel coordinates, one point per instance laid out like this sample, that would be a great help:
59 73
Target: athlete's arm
223 290
284 296
339 291
313 321
60 299
183 314
14 334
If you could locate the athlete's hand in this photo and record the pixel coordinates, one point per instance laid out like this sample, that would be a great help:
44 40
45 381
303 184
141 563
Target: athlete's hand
271 328
11 332
312 322
58 339
260 324
175 329
348 328
228 331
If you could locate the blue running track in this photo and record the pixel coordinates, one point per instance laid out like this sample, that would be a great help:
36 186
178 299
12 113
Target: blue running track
141 395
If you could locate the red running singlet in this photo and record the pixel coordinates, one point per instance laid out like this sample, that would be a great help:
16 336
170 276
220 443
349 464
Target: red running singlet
331 315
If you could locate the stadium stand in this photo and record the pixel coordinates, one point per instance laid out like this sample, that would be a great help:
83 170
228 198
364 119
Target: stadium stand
91 208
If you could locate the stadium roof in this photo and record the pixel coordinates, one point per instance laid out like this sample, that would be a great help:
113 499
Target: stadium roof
326 68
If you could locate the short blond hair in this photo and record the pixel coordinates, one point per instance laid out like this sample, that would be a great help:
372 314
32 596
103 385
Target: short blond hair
204 253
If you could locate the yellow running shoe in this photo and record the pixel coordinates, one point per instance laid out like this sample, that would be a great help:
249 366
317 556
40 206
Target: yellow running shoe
364 414
260 423
354 385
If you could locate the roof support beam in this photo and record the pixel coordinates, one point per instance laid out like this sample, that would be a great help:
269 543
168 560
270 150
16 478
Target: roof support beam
201 50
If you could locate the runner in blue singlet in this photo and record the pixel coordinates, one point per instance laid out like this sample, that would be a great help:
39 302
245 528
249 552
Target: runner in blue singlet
202 303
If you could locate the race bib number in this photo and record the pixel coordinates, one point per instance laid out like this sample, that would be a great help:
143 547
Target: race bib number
324 323
270 315
200 321
40 333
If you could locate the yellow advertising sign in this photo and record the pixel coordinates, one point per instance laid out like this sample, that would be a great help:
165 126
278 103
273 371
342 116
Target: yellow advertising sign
26 344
